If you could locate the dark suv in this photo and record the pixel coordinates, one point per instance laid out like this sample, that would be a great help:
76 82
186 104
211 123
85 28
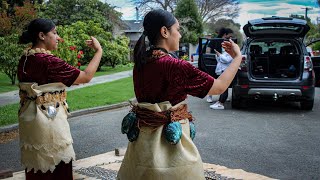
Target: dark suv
275 63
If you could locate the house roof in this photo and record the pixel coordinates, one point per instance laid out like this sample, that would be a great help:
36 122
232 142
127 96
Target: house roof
133 26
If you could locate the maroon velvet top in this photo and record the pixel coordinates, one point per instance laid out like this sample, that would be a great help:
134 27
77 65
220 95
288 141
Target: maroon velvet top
44 68
170 79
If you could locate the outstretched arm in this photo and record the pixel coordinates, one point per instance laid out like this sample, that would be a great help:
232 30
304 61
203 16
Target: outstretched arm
86 75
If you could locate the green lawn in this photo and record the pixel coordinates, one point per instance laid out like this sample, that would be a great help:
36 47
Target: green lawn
88 97
106 70
5 84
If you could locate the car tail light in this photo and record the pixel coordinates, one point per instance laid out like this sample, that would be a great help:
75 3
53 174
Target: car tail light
306 87
243 64
245 86
307 63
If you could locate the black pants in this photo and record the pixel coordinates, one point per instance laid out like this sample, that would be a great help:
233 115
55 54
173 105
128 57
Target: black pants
62 171
224 96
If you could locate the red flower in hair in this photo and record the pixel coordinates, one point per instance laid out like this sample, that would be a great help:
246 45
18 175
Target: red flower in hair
79 56
80 52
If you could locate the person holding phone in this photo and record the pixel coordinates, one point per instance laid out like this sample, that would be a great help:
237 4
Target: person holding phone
223 61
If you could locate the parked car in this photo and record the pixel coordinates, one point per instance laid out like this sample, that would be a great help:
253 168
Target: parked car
315 57
275 63
206 59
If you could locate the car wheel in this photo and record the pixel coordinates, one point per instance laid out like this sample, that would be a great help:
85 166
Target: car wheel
307 105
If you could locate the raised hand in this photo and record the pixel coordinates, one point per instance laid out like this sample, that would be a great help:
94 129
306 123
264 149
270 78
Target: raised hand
231 48
94 44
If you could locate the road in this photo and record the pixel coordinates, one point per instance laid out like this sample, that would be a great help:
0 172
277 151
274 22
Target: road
272 139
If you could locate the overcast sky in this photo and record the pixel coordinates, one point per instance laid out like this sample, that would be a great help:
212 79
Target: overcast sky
250 9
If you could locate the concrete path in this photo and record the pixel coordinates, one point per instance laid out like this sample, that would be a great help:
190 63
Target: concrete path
13 96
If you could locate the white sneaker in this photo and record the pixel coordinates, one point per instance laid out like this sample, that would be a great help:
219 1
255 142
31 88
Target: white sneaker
217 105
209 99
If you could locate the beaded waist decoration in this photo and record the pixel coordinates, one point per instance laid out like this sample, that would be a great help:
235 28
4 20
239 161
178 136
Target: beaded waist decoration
47 97
142 117
55 98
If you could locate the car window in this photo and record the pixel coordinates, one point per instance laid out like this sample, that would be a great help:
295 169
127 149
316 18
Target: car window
273 47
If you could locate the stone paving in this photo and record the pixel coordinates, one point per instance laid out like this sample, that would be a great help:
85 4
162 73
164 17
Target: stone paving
105 167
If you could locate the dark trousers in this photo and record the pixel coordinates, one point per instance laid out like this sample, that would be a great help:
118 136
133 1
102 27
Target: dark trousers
61 172
224 96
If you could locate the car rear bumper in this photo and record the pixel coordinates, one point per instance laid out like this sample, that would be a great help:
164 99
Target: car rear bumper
286 94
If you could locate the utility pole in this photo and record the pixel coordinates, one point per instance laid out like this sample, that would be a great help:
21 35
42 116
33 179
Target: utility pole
306 14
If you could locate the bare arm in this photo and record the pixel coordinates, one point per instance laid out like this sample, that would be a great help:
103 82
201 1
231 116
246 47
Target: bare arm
225 79
86 75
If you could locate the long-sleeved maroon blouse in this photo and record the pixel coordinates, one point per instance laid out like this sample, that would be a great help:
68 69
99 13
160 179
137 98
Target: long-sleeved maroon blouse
44 68
170 79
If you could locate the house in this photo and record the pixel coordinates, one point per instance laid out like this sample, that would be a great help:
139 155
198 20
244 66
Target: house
133 30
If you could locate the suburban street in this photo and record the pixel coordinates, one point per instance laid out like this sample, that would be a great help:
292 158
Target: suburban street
277 140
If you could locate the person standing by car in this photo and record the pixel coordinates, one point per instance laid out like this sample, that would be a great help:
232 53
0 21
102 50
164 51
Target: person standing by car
45 139
223 61
159 127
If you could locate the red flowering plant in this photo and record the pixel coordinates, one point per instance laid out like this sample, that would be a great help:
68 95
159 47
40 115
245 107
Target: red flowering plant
68 52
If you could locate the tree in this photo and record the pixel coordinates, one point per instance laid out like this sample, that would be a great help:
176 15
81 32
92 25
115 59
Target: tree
147 5
14 21
10 54
214 26
208 9
190 22
71 11
213 9
115 49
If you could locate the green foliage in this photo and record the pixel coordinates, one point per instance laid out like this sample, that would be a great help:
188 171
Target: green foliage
115 48
71 11
117 52
316 46
10 54
14 18
214 27
190 21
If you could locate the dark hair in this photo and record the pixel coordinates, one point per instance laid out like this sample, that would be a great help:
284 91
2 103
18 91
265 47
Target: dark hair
34 28
223 31
152 24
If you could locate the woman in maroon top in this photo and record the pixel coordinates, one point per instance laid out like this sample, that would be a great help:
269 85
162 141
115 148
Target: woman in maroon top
161 85
45 138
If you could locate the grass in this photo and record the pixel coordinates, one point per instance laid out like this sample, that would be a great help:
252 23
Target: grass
9 114
87 97
5 84
106 70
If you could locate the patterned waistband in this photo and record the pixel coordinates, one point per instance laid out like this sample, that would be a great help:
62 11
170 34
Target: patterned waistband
46 97
151 118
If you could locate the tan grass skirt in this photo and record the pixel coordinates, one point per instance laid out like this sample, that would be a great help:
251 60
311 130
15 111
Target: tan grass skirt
152 157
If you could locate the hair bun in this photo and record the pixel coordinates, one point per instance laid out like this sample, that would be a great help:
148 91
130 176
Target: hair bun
25 37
